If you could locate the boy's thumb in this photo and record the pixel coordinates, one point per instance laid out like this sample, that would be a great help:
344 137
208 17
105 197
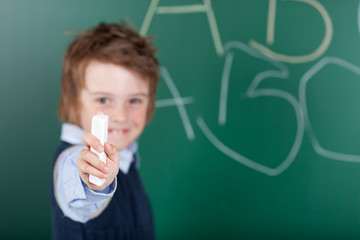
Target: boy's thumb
111 151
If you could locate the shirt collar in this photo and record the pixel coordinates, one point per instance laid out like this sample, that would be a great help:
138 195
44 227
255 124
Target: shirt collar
72 133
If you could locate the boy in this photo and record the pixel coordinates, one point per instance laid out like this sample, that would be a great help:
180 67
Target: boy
111 69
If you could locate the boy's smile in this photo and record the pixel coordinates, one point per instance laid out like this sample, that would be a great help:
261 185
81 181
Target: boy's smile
119 93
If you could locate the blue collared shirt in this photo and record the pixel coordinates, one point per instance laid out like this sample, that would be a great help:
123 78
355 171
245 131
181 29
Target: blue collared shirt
75 199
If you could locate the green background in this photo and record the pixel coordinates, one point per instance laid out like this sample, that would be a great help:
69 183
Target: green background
197 191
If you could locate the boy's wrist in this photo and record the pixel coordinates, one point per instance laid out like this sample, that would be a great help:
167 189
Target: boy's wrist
97 194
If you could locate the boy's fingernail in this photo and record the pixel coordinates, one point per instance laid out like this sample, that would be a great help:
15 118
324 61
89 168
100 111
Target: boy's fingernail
100 148
106 169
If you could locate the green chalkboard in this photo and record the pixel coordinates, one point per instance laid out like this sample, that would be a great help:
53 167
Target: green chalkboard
256 134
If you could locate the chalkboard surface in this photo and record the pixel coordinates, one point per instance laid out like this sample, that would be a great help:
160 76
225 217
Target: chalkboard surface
256 134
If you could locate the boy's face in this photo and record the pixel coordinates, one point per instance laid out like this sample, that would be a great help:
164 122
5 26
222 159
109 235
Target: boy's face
118 93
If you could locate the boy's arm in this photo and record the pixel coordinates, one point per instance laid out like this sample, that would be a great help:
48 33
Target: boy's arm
75 199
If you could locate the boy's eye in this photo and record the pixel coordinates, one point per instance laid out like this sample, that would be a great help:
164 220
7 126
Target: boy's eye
103 100
135 101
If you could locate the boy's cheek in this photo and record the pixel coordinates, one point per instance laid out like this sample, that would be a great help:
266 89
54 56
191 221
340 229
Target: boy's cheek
141 119
88 109
85 120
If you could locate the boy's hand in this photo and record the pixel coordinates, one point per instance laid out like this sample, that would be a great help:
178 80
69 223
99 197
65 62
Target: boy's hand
89 163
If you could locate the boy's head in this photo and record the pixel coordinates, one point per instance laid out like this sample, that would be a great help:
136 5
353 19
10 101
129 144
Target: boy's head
109 44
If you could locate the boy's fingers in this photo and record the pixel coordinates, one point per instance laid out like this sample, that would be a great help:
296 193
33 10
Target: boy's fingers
111 152
91 141
92 159
87 168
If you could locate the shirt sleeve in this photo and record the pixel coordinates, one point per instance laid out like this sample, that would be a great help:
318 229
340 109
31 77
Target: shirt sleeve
75 199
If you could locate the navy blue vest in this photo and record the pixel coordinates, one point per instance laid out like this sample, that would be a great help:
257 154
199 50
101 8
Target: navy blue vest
128 215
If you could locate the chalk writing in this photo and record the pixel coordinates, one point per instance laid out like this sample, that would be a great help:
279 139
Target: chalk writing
200 8
295 59
302 96
279 71
253 92
178 101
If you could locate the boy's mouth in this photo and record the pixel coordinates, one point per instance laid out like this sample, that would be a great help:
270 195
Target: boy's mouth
118 131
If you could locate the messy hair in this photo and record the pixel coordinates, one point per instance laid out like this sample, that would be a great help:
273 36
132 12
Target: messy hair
108 43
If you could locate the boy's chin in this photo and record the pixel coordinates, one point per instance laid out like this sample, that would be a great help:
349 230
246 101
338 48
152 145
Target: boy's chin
120 144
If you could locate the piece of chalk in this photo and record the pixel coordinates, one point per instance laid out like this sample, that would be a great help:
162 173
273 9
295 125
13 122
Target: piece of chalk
99 128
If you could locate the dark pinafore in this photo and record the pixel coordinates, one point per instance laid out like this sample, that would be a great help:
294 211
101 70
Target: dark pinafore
127 216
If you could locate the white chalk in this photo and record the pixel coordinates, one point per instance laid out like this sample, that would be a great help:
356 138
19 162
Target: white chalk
99 128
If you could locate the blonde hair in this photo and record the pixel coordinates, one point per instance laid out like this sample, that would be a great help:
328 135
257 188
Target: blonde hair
108 43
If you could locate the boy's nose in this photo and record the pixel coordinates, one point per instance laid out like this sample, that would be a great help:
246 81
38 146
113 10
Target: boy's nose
120 114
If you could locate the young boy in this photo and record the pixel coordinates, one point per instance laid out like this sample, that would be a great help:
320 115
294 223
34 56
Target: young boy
111 69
